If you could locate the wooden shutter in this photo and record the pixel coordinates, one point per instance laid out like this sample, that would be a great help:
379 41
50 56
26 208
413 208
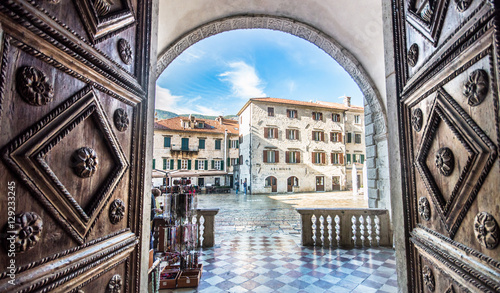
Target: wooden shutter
266 132
277 156
196 164
222 164
362 159
323 158
154 163
213 164
321 116
241 160
332 155
206 164
341 159
339 137
313 135
287 157
313 157
348 158
313 115
228 163
276 133
171 164
178 164
297 136
298 157
288 113
264 158
322 136
189 164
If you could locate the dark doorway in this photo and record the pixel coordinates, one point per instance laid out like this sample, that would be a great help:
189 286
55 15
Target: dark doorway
271 181
320 183
336 183
201 182
291 182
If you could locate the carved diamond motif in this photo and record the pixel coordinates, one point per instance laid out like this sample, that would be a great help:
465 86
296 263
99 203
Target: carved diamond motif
27 156
427 17
480 150
102 19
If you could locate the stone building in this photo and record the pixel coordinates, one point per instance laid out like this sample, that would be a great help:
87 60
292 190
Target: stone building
294 146
203 150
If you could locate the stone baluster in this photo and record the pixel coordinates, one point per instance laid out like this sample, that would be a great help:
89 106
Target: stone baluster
313 220
337 229
322 230
377 229
369 229
362 230
202 230
354 229
329 228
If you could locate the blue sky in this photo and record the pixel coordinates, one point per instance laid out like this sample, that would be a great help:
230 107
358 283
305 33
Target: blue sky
218 75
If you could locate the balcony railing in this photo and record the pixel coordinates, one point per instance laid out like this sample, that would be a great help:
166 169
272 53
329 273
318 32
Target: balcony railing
184 149
345 228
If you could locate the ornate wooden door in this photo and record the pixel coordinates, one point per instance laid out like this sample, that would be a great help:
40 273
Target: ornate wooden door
448 70
73 91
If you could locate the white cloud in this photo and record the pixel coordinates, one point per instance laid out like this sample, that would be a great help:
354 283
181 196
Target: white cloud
244 80
180 105
291 86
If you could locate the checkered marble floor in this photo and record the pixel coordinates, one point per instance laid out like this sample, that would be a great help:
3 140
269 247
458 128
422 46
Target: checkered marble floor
275 262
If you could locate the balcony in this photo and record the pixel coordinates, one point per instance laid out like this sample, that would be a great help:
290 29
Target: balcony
178 148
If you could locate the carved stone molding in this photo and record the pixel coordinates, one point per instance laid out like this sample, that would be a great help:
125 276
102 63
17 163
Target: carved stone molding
116 211
463 5
476 87
27 231
445 161
426 13
428 278
102 7
84 162
34 86
115 284
53 1
125 51
413 55
486 230
417 118
121 119
424 208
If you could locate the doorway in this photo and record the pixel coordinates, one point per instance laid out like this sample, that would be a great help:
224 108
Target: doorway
291 183
272 182
320 183
336 183
201 182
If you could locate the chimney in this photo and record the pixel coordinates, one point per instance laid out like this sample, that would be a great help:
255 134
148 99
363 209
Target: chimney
347 101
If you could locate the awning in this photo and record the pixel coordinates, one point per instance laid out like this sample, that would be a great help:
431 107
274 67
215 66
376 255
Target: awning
158 174
180 173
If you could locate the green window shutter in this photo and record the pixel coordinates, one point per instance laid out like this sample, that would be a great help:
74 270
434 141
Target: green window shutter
353 158
362 159
237 144
217 144
206 164
154 163
196 164
164 164
228 162
178 164
166 141
172 164
213 164
201 144
189 164
348 158
349 137
228 143
222 164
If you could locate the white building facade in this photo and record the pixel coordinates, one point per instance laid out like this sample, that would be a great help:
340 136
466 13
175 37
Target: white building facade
205 151
294 146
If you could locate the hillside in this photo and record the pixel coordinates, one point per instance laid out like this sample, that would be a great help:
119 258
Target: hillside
162 114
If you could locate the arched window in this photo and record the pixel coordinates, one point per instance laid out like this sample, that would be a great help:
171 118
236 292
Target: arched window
293 181
271 180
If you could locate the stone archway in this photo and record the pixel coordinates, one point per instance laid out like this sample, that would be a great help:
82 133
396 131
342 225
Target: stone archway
375 113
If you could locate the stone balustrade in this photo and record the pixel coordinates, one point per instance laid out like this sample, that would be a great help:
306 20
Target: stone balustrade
205 218
345 228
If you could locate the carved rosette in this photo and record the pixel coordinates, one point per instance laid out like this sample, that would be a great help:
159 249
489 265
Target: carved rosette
476 87
413 55
121 119
428 277
102 7
115 284
417 118
445 161
34 86
125 51
84 162
424 208
486 230
26 231
116 211
463 5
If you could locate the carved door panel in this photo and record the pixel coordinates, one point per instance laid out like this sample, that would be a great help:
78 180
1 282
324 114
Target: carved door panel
73 90
448 70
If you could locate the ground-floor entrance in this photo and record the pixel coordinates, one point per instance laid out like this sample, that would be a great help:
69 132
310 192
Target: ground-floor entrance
320 183
336 183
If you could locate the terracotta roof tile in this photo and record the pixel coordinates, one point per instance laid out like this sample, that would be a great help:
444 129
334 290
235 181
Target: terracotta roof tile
211 126
329 105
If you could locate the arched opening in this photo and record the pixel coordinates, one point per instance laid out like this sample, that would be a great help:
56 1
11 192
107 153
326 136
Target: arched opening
292 182
272 183
375 114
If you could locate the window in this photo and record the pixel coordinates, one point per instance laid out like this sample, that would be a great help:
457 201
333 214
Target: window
292 157
185 144
201 125
336 117
154 163
357 138
201 165
318 158
241 160
337 158
165 164
348 159
270 111
241 139
235 161
318 136
234 144
357 119
217 144
291 113
293 181
349 137
292 134
362 159
354 158
185 124
167 141
270 181
217 165
270 132
184 164
201 144
336 137
317 116
271 156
